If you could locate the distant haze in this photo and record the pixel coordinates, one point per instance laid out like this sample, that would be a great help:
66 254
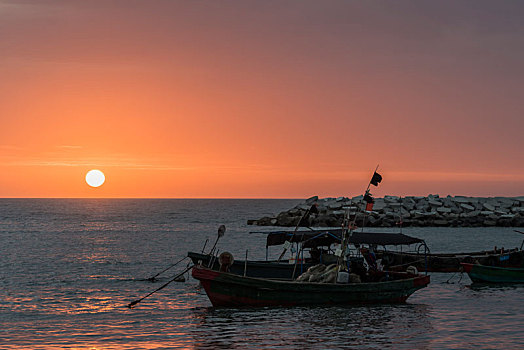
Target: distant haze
261 98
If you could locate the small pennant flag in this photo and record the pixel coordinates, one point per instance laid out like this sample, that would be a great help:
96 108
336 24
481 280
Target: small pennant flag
376 179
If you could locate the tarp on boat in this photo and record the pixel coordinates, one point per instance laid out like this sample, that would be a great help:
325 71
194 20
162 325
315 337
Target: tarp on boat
326 237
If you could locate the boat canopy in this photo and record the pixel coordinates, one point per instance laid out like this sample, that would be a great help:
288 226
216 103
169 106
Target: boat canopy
324 238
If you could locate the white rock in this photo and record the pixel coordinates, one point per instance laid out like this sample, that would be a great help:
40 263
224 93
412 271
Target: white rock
391 199
379 205
435 203
507 216
422 205
353 208
311 200
392 214
408 206
444 210
467 206
488 206
448 202
472 214
461 199
505 203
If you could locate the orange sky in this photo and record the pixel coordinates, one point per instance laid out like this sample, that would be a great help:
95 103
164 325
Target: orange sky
261 98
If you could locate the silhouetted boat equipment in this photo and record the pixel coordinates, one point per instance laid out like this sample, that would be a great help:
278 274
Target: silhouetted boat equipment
318 244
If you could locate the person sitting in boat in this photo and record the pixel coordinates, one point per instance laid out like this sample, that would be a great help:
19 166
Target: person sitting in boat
370 257
225 260
315 254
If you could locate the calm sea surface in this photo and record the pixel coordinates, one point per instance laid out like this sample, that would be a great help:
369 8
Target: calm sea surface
68 268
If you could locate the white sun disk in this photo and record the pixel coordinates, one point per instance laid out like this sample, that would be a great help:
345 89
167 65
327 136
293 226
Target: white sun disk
95 178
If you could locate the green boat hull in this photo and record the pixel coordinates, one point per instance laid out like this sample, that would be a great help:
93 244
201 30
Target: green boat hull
228 290
492 274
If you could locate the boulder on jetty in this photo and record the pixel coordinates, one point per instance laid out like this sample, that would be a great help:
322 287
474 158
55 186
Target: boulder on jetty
390 211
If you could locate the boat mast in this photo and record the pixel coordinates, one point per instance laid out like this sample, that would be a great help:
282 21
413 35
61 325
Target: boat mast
349 226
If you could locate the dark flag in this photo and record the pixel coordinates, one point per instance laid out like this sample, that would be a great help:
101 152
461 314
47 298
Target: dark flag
375 180
369 206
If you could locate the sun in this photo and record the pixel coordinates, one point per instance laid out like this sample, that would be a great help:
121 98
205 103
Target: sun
95 178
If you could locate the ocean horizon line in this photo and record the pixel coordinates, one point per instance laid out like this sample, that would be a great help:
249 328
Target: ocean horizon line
270 198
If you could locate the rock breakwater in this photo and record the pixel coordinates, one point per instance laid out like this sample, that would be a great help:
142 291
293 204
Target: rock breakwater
390 211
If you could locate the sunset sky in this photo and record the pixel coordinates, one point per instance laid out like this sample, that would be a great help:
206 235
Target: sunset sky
261 99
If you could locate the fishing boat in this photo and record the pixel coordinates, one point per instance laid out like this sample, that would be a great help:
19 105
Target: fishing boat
450 262
343 282
493 274
229 290
314 247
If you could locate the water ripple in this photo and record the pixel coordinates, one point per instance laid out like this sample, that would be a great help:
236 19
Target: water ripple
68 269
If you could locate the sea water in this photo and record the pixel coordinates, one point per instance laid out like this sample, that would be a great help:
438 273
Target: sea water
69 267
